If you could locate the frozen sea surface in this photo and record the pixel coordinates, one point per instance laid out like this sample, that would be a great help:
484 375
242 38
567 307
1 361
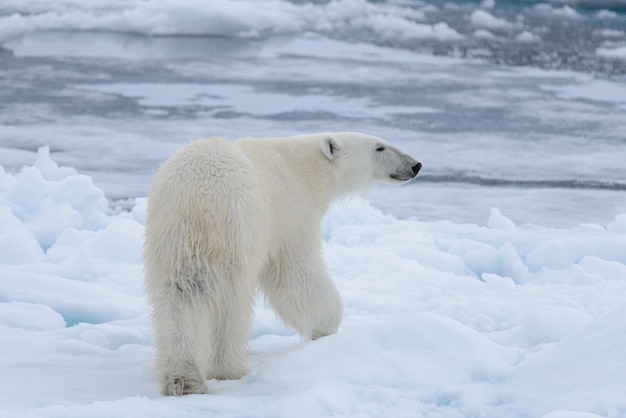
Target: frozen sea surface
494 285
516 105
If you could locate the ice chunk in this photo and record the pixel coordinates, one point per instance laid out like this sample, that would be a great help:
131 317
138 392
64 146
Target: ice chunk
481 19
550 324
484 34
49 169
76 301
30 316
527 37
615 53
584 371
17 243
497 220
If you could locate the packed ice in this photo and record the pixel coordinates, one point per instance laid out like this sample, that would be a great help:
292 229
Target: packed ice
440 318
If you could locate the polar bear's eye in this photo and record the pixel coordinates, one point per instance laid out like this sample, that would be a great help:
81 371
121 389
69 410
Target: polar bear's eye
380 148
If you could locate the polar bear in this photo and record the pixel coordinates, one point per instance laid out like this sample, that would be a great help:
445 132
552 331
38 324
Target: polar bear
226 218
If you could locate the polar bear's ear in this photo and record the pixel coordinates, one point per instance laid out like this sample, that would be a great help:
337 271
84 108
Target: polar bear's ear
330 148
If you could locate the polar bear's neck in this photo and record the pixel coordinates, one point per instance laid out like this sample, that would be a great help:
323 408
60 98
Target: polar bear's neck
313 178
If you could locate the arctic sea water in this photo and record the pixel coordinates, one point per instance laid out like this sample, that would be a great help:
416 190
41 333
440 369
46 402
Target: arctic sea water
518 105
493 285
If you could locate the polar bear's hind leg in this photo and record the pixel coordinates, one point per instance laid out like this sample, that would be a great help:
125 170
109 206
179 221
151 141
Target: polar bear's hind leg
179 310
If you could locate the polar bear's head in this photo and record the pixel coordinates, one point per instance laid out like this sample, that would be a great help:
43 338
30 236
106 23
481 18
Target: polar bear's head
363 160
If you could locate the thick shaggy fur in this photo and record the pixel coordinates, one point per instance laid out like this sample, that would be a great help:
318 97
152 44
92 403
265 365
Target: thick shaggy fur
225 218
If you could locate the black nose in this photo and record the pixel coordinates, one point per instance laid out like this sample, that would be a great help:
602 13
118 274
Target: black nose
416 169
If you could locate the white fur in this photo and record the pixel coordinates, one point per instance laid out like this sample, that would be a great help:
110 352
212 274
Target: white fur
225 218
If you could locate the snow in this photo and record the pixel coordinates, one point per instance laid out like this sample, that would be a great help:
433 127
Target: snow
488 4
595 90
609 33
483 34
565 11
440 318
527 36
247 99
481 19
606 14
617 52
245 19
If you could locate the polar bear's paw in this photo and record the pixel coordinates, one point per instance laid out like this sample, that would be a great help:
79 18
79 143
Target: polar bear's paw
179 384
229 374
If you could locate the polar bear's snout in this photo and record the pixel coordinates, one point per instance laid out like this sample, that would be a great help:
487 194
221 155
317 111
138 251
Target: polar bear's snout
408 170
416 168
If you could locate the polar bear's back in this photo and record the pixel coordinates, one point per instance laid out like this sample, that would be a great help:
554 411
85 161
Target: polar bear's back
203 205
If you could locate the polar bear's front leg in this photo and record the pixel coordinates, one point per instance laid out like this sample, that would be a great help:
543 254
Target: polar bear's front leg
298 287
231 314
